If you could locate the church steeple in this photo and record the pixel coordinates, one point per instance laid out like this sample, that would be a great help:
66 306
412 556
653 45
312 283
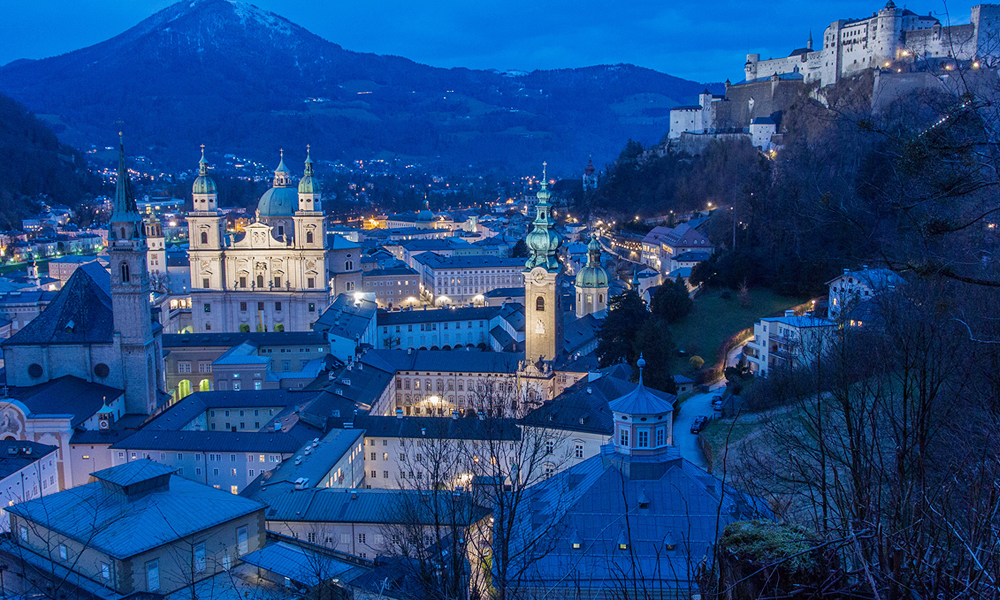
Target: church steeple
126 224
130 299
543 339
543 241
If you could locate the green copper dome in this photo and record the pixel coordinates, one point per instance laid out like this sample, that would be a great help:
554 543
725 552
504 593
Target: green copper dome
308 184
203 184
593 275
278 202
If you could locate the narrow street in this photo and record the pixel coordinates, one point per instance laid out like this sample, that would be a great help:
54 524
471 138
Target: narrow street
693 407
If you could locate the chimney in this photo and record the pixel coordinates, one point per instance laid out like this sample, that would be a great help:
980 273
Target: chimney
789 313
277 426
590 390
482 417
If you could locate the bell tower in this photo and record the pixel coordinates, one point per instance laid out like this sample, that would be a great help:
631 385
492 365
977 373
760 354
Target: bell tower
542 284
133 328
206 232
308 219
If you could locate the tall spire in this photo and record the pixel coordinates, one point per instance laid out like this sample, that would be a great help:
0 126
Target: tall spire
125 209
202 164
809 44
309 162
543 241
640 364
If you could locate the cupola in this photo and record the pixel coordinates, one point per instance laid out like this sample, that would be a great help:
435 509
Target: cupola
643 420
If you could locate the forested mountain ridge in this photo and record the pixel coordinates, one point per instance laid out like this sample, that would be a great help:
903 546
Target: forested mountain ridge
247 81
34 166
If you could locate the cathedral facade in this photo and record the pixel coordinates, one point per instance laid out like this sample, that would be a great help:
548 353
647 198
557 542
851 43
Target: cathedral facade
273 277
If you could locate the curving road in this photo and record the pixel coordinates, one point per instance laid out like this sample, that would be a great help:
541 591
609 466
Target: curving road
699 404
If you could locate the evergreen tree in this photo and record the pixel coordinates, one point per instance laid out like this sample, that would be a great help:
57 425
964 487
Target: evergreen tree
654 342
626 315
671 302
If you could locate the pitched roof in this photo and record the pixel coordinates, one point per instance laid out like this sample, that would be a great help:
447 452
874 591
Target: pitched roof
333 505
80 313
462 428
347 317
257 338
133 472
16 455
441 315
642 401
443 361
211 441
109 522
66 395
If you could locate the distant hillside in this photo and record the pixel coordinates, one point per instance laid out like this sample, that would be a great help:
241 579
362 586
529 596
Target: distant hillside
246 81
34 164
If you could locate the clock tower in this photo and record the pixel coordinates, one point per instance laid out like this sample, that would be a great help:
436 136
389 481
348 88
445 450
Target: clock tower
542 283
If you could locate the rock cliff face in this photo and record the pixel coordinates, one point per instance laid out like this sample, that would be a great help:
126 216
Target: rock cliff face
247 81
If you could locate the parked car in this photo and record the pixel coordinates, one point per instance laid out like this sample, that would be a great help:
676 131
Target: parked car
699 424
717 402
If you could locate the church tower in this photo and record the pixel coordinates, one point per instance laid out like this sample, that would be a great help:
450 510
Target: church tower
206 232
309 216
130 298
592 284
590 176
543 338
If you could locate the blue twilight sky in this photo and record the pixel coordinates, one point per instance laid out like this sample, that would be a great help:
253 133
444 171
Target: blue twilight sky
704 41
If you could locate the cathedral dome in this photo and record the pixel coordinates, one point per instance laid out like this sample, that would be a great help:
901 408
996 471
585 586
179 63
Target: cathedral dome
278 202
281 200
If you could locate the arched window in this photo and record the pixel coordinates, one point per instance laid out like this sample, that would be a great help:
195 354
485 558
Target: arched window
260 281
122 236
309 237
540 304
125 272
204 237
600 298
349 265
281 230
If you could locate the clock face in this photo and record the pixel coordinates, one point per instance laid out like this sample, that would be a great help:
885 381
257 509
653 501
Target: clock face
539 276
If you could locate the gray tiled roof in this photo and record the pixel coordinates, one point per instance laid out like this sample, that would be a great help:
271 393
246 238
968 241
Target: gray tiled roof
587 504
642 401
481 261
110 523
464 361
439 315
334 505
133 472
462 428
211 441
259 339
79 314
65 395
17 454
188 408
313 467
347 317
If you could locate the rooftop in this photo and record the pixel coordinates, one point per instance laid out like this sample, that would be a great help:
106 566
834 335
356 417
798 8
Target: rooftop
108 522
16 455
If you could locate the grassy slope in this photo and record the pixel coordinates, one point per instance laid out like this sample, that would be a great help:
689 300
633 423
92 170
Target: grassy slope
713 319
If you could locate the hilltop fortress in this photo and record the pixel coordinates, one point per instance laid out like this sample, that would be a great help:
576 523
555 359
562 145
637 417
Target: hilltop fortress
893 42
893 38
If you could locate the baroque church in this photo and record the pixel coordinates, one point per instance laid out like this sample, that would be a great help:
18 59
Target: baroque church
273 277
546 318
93 360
